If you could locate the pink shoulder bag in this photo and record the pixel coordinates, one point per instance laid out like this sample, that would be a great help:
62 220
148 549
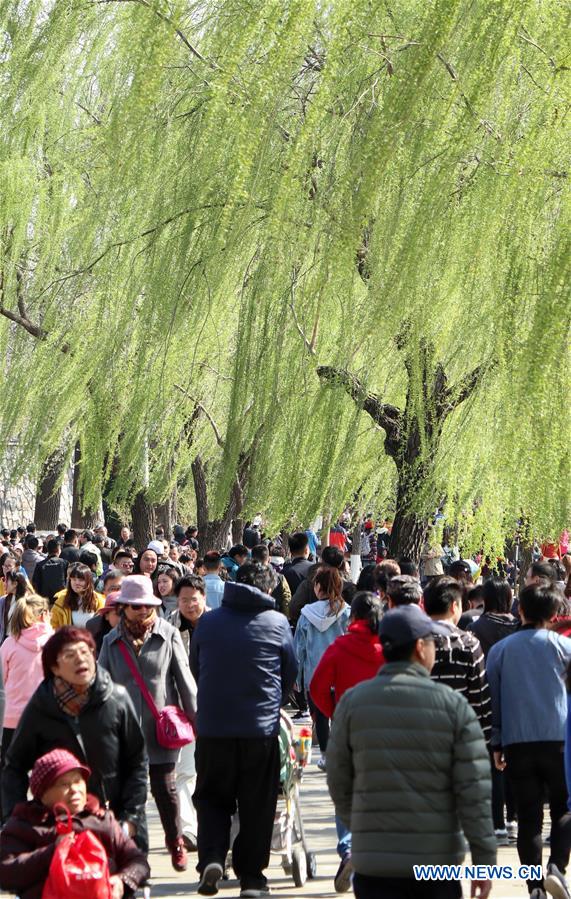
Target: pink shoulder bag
173 728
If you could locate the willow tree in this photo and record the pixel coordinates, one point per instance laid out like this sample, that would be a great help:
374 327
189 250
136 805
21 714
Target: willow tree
223 198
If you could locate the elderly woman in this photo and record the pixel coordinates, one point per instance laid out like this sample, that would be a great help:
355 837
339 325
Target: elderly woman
78 707
29 838
154 648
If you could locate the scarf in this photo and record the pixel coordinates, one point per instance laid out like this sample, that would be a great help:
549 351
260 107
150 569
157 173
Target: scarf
68 699
136 633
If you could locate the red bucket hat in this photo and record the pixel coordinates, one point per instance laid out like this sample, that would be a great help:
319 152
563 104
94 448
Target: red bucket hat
52 765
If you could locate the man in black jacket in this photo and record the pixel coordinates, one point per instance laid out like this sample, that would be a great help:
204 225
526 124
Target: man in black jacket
79 708
243 659
50 574
297 570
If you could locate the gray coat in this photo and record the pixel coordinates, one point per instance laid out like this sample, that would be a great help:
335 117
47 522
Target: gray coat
409 773
163 664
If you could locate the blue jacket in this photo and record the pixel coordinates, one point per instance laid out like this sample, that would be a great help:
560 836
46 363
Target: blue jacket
244 663
214 590
231 566
317 629
526 677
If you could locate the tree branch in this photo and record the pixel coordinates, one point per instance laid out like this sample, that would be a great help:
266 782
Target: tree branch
165 18
200 408
388 417
463 390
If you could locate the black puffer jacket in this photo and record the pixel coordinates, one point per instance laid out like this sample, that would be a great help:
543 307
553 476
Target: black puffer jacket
106 734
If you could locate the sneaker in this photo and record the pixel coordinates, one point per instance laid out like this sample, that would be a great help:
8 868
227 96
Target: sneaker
342 882
209 878
321 763
502 837
178 855
190 843
555 883
254 887
302 718
511 827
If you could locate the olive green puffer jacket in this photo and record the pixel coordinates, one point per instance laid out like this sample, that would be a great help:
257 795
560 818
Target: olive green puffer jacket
408 771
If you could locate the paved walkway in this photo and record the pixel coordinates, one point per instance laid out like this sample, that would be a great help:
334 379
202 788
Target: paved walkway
320 832
318 820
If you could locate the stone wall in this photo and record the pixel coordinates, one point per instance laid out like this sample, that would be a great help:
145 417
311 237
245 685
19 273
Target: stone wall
17 500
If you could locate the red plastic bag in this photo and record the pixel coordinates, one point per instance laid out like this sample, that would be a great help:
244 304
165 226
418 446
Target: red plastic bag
79 868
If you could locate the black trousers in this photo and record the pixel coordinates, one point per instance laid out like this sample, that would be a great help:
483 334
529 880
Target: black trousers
534 770
163 788
321 724
501 796
403 888
237 773
7 735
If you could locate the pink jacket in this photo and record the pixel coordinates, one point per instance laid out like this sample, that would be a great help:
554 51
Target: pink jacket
22 668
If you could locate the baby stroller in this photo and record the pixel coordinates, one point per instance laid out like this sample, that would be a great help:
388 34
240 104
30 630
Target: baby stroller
289 834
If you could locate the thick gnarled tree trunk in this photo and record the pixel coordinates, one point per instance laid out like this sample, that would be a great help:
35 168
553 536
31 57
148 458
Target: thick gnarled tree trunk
412 449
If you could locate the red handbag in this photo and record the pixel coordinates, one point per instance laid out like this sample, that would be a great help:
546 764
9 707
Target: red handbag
79 867
173 729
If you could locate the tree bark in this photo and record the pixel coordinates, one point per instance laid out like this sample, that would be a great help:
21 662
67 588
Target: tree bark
143 520
411 443
213 534
48 494
166 514
237 530
82 518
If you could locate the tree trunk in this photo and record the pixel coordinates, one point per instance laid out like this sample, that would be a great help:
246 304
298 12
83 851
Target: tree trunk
409 529
82 518
325 530
166 514
408 535
237 530
48 495
213 534
143 519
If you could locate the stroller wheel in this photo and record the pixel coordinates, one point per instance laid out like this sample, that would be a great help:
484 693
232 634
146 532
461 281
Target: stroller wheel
311 862
299 867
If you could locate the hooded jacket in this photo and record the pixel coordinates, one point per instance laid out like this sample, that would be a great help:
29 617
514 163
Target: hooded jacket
28 840
30 558
353 657
22 669
243 660
316 629
106 735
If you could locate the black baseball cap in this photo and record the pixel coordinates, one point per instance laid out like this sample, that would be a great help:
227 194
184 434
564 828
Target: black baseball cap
407 624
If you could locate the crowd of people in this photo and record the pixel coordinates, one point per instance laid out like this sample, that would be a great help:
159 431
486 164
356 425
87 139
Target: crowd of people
437 695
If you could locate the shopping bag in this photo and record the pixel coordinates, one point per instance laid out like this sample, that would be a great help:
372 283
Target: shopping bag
79 868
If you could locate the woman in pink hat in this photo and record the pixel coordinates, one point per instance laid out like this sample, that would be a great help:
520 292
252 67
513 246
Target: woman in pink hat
155 647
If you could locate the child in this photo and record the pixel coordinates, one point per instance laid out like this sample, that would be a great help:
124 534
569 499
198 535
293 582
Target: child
28 840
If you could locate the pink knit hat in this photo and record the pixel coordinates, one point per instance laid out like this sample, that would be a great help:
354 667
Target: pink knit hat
52 765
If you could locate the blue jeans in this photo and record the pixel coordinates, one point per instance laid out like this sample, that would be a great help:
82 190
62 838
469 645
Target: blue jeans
343 838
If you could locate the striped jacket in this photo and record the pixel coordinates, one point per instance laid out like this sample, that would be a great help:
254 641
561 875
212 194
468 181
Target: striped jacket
460 664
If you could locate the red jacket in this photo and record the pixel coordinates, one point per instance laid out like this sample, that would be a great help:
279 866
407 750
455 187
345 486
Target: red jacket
353 657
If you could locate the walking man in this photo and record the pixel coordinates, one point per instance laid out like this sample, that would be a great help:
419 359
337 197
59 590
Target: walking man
244 663
408 770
